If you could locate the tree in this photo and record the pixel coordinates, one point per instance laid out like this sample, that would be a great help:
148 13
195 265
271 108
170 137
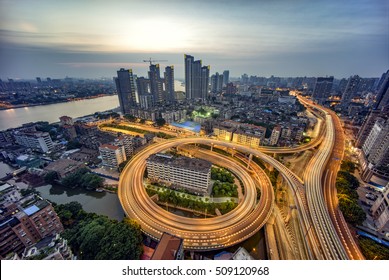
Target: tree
130 118
51 177
160 121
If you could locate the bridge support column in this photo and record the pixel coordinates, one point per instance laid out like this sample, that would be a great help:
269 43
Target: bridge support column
211 147
250 158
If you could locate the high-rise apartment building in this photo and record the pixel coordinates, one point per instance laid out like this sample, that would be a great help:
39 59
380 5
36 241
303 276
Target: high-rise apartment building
323 87
204 82
126 90
380 211
188 59
382 99
156 83
216 83
350 91
226 77
375 153
379 109
195 78
169 83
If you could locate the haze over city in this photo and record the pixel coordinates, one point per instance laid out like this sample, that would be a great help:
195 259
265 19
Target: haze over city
94 39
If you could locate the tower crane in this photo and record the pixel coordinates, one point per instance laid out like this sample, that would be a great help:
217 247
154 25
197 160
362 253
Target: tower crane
150 60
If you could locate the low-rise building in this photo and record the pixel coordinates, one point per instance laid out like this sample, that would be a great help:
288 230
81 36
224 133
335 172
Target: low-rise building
190 173
22 227
38 141
223 133
64 167
244 138
170 247
112 155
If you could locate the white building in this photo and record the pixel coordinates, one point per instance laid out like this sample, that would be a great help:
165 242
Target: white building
112 155
190 173
275 135
248 139
39 141
380 211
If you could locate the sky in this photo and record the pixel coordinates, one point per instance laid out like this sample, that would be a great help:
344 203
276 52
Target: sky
93 39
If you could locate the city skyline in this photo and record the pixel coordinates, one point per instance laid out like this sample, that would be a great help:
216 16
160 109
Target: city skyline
324 38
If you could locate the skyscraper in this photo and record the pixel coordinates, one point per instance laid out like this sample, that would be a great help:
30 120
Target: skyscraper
169 83
126 90
188 76
226 77
323 87
194 86
204 82
156 84
196 79
216 83
349 92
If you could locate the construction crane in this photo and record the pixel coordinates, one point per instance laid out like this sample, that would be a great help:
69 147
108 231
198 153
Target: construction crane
150 60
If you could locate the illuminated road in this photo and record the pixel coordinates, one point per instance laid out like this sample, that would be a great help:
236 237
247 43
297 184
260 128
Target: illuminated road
198 234
334 236
329 189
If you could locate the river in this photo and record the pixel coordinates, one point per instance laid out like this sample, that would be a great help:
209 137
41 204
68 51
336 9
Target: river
12 118
103 203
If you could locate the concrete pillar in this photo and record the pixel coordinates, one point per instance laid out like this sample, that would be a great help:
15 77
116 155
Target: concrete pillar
250 158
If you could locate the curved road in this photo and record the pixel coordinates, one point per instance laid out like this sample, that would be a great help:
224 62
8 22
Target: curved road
198 234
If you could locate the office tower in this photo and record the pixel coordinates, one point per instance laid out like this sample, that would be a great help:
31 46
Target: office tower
226 77
39 80
156 84
204 82
126 90
188 76
169 83
350 91
323 87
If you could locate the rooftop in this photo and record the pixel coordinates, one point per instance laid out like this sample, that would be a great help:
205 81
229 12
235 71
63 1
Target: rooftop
109 146
194 164
167 247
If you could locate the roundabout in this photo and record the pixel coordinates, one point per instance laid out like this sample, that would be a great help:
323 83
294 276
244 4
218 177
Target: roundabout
198 233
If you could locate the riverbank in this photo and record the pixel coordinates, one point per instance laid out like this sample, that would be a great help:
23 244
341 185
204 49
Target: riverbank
55 102
52 112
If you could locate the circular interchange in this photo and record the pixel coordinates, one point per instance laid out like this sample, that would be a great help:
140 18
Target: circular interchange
198 234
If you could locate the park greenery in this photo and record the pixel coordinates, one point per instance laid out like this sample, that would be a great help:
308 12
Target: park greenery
372 250
137 130
96 237
346 185
224 183
166 195
82 178
348 166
